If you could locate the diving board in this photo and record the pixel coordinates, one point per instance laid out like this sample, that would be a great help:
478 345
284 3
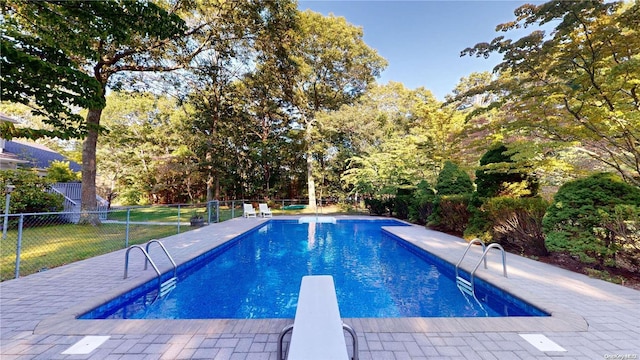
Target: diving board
318 331
317 219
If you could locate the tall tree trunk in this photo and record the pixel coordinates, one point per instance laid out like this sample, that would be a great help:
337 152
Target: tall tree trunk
210 179
88 202
311 186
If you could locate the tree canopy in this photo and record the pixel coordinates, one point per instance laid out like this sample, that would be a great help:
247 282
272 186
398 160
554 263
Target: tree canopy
335 67
577 86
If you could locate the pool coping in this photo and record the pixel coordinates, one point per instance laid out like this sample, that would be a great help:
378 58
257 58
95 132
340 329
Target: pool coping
561 319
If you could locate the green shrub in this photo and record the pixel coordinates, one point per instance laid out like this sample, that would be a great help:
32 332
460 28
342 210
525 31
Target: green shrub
498 176
452 181
479 225
451 213
59 171
516 223
580 220
422 206
30 194
376 206
402 203
624 225
130 196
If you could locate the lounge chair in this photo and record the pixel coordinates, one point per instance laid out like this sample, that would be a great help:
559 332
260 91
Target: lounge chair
264 210
249 211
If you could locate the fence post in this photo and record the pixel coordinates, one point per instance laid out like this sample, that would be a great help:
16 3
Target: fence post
178 218
233 208
126 236
19 245
217 202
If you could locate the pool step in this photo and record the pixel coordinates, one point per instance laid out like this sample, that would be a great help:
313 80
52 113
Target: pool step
167 286
464 285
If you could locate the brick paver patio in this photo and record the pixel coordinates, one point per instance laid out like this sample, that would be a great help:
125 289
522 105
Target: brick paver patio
591 319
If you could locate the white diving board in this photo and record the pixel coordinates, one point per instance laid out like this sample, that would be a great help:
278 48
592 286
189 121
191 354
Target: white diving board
318 331
317 219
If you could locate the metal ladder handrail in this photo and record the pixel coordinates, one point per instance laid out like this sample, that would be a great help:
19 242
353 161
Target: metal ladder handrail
146 255
484 256
175 268
474 241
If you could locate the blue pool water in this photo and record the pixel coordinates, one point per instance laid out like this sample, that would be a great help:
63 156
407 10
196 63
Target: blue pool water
257 275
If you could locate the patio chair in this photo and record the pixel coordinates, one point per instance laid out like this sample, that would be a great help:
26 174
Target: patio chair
264 210
249 211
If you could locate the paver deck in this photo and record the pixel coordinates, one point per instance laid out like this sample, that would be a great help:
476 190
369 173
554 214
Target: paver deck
591 319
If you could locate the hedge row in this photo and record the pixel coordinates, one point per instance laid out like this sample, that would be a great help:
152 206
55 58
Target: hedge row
595 219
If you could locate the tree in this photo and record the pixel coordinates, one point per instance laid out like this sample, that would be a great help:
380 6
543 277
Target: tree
335 66
499 174
110 40
103 39
439 130
453 181
37 74
391 137
237 88
144 131
473 89
578 86
59 171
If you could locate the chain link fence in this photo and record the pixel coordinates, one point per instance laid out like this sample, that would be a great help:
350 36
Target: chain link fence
40 241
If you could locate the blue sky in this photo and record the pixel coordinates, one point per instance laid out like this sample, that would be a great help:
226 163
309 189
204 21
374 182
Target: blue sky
422 40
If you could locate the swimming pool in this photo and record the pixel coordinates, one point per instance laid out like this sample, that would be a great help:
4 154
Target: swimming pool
257 275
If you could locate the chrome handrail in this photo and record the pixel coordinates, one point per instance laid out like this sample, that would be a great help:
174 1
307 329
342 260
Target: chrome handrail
474 241
146 255
175 268
484 256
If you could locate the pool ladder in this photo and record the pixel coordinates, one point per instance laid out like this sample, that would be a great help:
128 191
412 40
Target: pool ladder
467 286
166 286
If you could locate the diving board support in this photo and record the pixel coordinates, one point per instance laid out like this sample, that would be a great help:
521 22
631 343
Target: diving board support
317 332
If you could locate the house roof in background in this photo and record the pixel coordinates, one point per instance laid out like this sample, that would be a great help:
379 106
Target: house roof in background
37 155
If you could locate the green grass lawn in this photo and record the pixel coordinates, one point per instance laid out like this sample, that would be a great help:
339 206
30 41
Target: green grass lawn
153 214
46 247
168 214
